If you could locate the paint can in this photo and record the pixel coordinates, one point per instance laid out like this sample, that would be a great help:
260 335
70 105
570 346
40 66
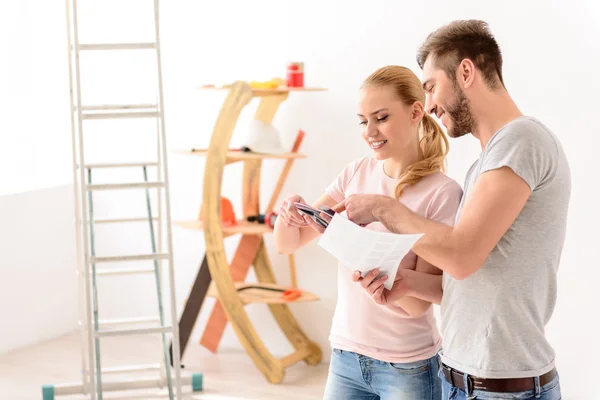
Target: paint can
295 74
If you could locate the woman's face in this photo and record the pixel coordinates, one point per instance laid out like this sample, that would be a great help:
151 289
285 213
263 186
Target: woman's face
387 123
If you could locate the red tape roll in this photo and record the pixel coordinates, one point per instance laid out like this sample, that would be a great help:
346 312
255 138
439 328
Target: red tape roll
270 219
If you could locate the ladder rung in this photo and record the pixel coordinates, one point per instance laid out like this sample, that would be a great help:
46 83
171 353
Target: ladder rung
121 165
159 385
132 114
128 321
130 368
120 385
117 46
128 332
119 107
117 220
116 186
143 257
124 271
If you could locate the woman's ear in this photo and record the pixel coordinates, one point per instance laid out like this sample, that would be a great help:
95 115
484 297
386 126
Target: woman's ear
417 113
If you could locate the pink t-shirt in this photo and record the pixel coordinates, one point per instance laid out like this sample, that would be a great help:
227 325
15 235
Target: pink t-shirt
387 333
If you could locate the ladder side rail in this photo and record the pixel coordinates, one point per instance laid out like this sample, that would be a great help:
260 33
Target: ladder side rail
174 321
88 304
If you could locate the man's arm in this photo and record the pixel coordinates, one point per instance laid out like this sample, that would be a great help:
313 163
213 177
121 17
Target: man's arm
420 284
495 202
424 286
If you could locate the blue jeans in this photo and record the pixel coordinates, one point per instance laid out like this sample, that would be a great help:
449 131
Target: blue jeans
356 377
550 391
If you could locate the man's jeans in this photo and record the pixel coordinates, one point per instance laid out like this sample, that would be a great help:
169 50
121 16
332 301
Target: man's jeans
550 391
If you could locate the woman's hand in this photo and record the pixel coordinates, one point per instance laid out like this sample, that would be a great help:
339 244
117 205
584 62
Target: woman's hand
289 213
375 287
310 222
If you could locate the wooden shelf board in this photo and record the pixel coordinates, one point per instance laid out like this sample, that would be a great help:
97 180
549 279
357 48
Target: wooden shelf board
242 227
265 91
260 296
237 155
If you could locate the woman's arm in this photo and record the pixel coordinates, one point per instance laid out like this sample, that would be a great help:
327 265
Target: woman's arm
291 231
413 290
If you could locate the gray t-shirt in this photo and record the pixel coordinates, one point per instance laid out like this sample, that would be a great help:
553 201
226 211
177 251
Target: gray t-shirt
493 321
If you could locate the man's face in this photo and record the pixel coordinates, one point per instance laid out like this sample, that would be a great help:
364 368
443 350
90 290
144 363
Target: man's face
447 101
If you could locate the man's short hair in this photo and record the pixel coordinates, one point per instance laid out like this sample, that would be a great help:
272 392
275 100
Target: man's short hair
471 39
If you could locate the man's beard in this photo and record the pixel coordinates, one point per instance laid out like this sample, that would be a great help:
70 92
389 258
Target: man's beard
460 115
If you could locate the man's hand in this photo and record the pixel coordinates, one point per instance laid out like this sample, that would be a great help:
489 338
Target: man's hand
375 287
360 207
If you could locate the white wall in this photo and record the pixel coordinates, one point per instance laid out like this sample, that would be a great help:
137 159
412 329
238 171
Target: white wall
550 61
38 289
34 99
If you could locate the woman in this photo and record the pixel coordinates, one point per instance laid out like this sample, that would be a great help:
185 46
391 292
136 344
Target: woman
384 352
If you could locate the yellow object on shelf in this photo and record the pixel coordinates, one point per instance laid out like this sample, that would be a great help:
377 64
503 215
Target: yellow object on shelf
270 84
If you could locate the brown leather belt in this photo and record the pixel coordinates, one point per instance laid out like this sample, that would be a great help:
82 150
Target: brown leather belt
456 378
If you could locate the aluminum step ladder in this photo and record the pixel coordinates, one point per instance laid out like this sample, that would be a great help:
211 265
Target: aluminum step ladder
168 378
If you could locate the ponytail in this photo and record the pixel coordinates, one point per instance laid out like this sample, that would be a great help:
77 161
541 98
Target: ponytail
433 148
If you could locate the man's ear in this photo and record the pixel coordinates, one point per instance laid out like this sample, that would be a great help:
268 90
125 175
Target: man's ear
466 73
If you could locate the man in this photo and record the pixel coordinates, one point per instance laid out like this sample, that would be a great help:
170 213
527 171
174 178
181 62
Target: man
501 257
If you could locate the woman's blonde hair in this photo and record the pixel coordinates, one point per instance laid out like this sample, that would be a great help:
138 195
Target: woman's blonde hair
433 144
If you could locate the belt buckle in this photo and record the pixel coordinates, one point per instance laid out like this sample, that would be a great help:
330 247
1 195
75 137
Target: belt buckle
470 384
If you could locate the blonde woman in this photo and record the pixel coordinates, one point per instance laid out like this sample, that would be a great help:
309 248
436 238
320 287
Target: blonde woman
384 352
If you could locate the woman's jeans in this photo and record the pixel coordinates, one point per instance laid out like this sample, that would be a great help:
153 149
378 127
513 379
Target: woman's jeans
356 377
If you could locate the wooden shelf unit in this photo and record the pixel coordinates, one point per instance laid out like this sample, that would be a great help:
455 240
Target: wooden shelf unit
223 280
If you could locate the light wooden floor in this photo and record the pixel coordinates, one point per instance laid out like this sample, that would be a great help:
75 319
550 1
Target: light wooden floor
228 375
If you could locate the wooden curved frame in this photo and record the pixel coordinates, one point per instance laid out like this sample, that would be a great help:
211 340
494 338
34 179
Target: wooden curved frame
240 94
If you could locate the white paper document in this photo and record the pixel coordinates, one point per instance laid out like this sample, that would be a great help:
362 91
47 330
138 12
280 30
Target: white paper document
363 249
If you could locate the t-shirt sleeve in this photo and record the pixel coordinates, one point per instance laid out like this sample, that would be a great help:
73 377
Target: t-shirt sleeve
444 204
337 189
527 148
